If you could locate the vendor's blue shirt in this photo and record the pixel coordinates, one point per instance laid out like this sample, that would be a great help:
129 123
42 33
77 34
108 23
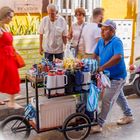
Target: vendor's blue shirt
106 52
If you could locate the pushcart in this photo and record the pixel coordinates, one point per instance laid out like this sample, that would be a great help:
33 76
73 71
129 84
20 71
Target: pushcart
75 127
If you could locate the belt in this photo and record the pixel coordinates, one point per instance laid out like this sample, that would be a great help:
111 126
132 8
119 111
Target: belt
116 79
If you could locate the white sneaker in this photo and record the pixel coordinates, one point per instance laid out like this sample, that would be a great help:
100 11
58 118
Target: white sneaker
96 129
125 120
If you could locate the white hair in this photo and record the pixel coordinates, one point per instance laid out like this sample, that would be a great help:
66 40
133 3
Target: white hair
52 6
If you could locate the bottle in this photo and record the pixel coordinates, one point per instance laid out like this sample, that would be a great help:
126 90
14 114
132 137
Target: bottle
51 81
69 88
61 81
87 78
79 78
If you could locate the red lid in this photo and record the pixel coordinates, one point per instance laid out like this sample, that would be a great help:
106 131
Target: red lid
52 73
60 72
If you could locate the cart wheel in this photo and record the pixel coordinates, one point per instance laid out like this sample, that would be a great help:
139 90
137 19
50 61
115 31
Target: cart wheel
15 128
75 127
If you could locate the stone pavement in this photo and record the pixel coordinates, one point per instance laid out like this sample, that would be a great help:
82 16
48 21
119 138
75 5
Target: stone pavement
20 99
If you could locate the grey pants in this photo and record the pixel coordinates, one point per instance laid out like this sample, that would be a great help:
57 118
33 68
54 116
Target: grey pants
112 95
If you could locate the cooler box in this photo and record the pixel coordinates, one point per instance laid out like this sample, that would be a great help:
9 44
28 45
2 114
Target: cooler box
54 111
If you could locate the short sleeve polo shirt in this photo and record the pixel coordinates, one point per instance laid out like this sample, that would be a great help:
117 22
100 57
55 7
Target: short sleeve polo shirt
106 52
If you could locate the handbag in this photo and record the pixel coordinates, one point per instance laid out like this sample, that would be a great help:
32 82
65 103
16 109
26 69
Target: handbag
77 47
19 60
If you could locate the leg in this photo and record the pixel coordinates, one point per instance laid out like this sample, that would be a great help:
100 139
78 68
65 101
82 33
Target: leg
2 102
110 96
122 102
59 56
49 56
12 103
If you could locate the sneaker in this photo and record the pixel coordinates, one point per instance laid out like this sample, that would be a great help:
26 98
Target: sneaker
96 129
125 120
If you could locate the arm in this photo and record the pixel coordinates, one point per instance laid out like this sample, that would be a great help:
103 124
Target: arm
70 34
97 39
41 32
41 40
64 39
1 33
96 53
95 56
64 34
113 61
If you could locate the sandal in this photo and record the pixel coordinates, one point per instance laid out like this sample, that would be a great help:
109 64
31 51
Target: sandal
2 103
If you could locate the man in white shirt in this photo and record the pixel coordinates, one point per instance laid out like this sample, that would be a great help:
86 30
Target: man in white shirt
91 32
53 32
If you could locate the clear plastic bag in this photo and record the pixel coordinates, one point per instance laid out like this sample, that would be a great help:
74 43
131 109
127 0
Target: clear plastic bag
105 80
68 52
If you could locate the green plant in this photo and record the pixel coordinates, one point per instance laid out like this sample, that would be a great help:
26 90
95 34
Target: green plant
27 25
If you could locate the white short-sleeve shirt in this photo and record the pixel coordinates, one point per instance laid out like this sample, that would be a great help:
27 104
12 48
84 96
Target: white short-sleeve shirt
52 34
90 33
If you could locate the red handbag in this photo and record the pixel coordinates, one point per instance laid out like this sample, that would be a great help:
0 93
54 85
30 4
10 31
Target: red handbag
19 60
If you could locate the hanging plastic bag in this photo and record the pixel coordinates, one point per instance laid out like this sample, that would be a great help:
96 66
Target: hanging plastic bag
30 111
69 59
67 52
92 98
105 80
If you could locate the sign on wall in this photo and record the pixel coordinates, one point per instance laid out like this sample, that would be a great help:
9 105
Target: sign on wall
23 6
32 6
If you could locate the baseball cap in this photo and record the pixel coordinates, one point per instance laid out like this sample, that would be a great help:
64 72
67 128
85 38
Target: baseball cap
108 23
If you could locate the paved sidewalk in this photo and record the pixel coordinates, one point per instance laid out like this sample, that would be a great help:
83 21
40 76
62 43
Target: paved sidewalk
20 99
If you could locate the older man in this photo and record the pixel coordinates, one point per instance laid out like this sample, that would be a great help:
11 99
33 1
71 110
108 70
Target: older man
110 53
53 31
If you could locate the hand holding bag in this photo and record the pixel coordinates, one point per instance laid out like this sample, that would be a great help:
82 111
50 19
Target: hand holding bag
19 60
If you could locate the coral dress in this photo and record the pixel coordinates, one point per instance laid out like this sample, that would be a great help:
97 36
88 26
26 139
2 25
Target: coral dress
9 76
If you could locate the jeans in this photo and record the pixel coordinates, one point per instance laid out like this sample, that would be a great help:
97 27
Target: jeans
50 56
112 95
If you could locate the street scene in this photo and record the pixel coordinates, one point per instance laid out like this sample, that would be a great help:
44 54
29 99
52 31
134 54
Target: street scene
69 69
